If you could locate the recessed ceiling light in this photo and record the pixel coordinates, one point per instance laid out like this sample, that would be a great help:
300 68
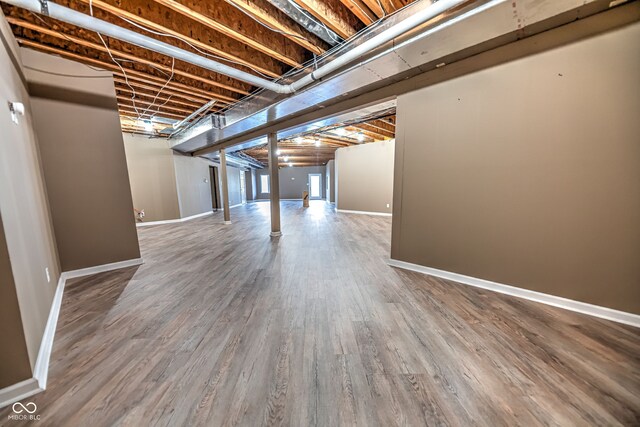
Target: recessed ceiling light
278 152
299 140
341 131
360 137
317 143
290 164
285 158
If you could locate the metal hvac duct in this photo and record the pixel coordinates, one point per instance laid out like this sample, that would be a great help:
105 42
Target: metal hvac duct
73 17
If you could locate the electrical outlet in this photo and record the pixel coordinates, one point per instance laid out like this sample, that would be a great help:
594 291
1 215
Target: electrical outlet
46 270
388 205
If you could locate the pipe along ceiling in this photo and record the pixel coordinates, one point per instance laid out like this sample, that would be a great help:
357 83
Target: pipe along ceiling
82 20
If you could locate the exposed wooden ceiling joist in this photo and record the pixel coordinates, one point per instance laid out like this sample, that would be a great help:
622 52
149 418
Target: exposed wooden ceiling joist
361 10
226 19
119 54
333 14
247 65
279 22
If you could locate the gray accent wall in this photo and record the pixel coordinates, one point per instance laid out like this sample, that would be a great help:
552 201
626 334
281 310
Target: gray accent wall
330 181
84 163
152 177
528 173
194 184
364 177
293 181
27 231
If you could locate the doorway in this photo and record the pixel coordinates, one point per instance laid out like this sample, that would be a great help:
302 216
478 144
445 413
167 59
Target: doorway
216 202
315 186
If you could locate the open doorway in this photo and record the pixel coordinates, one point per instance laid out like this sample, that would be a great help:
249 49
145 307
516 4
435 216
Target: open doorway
315 186
216 202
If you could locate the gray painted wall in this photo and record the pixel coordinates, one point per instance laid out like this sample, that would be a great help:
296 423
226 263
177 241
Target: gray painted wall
30 241
364 176
194 186
152 177
250 180
293 181
528 173
84 163
330 182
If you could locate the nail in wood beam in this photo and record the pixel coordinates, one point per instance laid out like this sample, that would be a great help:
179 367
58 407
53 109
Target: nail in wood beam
274 184
225 186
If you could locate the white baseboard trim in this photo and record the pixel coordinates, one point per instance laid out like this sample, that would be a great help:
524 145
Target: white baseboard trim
173 221
19 391
101 268
38 383
565 303
364 212
235 206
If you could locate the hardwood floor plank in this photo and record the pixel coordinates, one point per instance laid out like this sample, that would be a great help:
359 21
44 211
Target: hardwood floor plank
224 326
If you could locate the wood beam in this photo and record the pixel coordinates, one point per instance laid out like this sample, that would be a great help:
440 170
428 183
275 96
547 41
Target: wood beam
361 10
375 7
139 102
333 14
132 112
121 54
247 65
132 74
156 83
170 98
274 18
201 12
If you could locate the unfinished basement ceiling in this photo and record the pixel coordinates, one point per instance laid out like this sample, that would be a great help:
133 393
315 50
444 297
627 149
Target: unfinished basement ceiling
268 38
317 147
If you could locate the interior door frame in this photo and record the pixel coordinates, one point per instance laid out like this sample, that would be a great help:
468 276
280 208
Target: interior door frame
319 175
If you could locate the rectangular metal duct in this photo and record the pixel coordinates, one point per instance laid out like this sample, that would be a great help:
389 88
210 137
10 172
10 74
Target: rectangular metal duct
479 24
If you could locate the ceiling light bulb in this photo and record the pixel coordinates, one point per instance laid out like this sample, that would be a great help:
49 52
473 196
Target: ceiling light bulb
290 164
277 152
285 158
299 140
341 131
360 137
317 143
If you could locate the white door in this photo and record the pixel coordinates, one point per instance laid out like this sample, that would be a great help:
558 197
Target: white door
315 186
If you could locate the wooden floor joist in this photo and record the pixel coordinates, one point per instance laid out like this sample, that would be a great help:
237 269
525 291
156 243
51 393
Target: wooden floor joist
230 32
117 11
258 9
125 55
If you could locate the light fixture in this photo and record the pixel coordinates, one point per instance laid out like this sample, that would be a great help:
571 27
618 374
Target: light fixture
147 125
278 152
341 132
290 164
317 143
360 136
299 140
285 158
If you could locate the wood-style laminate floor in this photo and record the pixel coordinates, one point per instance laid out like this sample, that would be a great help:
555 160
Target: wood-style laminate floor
224 326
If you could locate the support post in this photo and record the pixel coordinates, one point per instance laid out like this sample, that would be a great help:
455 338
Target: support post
225 186
274 184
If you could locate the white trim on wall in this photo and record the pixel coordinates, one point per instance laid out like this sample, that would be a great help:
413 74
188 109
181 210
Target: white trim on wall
565 303
38 383
363 212
172 221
